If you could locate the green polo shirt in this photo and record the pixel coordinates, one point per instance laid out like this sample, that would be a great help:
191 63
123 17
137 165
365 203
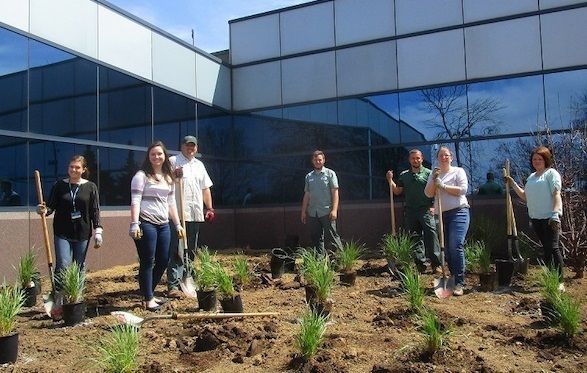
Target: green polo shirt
319 185
414 184
490 187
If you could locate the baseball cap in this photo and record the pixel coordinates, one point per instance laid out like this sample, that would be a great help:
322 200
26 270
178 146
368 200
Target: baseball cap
190 139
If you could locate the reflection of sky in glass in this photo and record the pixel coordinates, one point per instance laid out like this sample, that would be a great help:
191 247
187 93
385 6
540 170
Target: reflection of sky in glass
562 92
13 52
42 54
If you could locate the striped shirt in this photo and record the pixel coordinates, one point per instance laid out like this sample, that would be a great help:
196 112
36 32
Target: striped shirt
153 197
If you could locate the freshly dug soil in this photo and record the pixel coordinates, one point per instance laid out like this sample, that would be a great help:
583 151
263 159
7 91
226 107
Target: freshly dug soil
371 329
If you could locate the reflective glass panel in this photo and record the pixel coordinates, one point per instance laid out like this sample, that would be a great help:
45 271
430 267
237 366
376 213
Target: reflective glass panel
380 113
14 175
216 135
566 98
174 117
13 81
117 168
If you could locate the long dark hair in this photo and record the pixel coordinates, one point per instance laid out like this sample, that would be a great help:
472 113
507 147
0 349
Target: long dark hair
147 168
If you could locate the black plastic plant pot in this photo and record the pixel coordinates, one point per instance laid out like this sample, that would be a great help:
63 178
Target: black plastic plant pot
290 262
234 304
488 281
30 296
278 258
505 270
74 313
320 308
348 278
8 348
310 294
522 266
548 312
206 300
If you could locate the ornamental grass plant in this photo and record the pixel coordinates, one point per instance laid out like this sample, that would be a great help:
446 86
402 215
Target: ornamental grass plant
205 270
323 278
549 283
567 313
435 334
225 285
310 262
11 303
414 289
473 252
27 270
399 249
73 283
242 273
118 351
312 327
348 254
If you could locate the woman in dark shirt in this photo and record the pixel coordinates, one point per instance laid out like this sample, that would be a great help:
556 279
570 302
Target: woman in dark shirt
77 211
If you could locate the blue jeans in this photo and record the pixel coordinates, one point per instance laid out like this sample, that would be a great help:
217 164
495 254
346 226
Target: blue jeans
153 250
456 224
176 266
67 251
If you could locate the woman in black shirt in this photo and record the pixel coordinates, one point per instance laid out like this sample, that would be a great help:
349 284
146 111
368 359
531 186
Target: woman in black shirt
77 211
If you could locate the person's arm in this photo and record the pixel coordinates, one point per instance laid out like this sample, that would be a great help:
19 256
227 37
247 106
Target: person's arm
137 186
207 198
519 191
305 202
334 210
430 188
397 190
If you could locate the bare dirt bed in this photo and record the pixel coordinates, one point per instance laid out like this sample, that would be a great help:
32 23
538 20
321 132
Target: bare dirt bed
370 330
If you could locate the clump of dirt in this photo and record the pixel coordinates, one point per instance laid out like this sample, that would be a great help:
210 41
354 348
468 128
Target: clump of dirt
399 318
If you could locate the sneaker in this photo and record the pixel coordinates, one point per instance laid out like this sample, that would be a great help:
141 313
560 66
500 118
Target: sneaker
458 291
174 293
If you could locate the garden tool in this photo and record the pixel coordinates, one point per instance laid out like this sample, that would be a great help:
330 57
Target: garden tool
513 244
186 284
136 321
443 287
392 208
51 302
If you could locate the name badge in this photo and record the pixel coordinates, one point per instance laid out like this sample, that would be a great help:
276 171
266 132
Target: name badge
76 215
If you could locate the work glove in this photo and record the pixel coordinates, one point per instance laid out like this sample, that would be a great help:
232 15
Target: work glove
508 180
555 222
210 216
180 231
178 172
435 173
439 183
98 237
389 175
135 231
42 209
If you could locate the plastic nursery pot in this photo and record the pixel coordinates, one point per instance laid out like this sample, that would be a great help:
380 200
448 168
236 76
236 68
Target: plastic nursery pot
488 281
74 313
278 258
206 300
310 294
234 304
323 308
30 296
348 278
8 348
290 262
547 311
522 266
505 270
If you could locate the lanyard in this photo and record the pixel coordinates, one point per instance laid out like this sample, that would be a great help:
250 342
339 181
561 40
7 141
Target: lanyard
73 195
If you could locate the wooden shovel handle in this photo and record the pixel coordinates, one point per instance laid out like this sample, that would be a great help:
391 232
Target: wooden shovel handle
43 218
392 208
208 316
181 213
440 223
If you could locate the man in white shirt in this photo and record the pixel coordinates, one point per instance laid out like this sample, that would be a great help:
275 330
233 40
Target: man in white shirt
196 194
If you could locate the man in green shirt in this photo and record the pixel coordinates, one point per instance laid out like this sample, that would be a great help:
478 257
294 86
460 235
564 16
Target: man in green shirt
419 210
490 187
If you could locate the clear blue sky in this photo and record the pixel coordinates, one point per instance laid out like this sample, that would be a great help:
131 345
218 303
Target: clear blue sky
209 18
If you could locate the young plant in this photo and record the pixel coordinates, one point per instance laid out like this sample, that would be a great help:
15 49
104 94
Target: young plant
399 249
434 333
473 252
310 262
242 274
568 315
323 279
11 302
73 283
348 254
413 289
119 351
224 282
28 274
205 268
484 258
550 283
311 334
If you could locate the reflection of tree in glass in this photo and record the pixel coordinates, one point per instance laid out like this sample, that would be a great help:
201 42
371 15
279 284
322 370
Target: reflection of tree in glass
455 119
129 169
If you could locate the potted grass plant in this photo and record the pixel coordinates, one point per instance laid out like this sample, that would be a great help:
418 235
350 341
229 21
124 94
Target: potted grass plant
347 257
73 286
435 334
309 261
242 273
414 289
550 290
205 268
29 278
312 327
398 250
230 299
322 279
119 350
11 303
478 260
567 311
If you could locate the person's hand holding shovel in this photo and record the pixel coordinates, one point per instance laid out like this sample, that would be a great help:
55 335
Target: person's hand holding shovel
98 238
135 231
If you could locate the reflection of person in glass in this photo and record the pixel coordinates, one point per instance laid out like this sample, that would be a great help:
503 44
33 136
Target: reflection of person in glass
542 194
320 204
196 194
152 203
419 210
8 197
490 187
451 184
77 212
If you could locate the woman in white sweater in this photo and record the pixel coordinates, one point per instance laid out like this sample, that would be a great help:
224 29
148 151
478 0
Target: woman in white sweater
450 184
152 203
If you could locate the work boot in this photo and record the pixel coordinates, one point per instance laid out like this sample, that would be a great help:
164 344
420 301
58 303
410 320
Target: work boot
174 293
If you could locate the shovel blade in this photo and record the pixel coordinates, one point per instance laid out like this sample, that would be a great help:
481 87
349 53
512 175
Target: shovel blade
53 307
188 286
127 318
443 287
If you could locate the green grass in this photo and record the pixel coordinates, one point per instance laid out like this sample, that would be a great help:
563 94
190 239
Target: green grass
224 282
11 302
348 254
484 258
310 262
241 270
414 289
434 333
311 333
477 257
323 279
118 352
27 269
204 270
399 248
549 284
73 283
567 313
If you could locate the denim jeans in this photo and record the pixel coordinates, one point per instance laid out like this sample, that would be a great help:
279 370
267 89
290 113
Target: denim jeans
323 230
456 224
421 223
67 251
175 268
550 243
153 250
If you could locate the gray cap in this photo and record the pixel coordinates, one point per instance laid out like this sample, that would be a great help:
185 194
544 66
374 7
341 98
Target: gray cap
190 139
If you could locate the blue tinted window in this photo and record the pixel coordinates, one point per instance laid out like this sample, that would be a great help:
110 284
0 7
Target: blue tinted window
117 167
174 117
216 133
14 174
13 81
566 98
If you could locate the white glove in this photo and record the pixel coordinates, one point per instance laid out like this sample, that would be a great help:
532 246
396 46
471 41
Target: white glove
180 231
42 209
439 183
135 231
98 237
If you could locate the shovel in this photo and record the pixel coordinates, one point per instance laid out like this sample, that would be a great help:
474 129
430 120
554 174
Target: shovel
392 208
52 307
509 210
133 320
444 286
186 284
